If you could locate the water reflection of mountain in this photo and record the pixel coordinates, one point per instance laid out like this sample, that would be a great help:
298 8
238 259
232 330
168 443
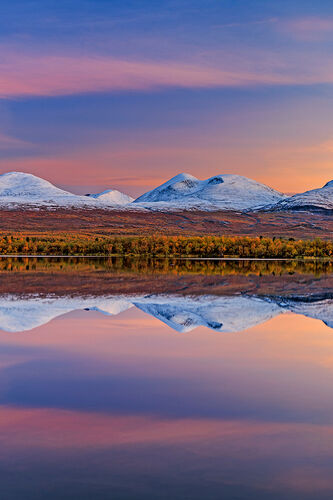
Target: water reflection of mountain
182 313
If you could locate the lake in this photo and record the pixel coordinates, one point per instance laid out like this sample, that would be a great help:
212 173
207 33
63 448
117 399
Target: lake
157 379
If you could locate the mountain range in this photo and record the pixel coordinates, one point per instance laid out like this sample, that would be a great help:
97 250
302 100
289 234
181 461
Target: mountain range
182 192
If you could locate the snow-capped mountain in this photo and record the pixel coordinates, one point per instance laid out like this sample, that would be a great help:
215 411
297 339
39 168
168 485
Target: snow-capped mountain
182 192
112 197
225 192
315 199
19 188
22 188
183 314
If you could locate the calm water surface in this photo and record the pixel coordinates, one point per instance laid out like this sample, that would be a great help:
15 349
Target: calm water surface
127 380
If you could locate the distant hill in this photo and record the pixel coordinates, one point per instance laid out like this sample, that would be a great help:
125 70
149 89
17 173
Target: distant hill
316 199
112 197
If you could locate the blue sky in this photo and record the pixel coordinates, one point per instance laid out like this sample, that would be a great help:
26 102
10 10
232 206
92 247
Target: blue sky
125 94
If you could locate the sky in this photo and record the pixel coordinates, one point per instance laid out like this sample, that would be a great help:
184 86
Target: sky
125 94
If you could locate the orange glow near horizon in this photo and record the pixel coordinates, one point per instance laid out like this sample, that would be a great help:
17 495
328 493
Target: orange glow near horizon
138 171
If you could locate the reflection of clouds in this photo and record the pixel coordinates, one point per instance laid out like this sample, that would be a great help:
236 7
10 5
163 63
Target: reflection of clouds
309 478
80 363
57 428
199 411
265 455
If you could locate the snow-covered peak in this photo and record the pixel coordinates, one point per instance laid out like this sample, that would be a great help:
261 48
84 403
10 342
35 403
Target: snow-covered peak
315 199
226 192
22 188
112 197
27 185
19 188
179 178
182 192
179 185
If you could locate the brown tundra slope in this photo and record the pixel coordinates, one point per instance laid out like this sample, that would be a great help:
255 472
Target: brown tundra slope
301 225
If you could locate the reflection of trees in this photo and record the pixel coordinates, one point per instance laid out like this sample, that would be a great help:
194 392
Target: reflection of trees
148 265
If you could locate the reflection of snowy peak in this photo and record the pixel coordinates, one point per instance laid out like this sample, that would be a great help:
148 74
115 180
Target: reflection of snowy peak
18 314
227 192
19 188
183 314
320 199
111 306
319 309
223 314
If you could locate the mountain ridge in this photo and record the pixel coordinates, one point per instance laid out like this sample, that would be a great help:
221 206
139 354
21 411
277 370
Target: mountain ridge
227 192
224 192
314 199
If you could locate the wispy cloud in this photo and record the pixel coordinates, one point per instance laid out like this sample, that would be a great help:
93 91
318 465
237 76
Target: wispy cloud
309 28
25 74
32 75
8 142
326 146
256 22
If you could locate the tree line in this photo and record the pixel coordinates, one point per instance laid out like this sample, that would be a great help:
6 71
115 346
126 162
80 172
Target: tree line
165 246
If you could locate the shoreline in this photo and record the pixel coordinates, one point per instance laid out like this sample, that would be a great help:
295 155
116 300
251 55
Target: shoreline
154 257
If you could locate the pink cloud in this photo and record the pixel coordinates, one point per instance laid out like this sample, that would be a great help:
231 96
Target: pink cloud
61 75
25 74
310 28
